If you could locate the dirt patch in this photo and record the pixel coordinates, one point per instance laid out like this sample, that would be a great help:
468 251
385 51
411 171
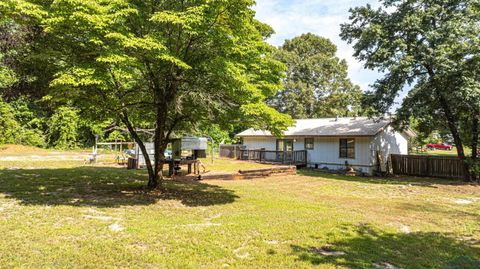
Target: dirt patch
73 157
102 218
463 202
241 253
405 229
115 227
208 222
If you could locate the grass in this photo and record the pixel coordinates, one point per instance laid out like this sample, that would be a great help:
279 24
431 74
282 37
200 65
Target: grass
75 216
19 149
438 152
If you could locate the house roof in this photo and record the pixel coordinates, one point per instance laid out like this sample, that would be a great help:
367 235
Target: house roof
360 126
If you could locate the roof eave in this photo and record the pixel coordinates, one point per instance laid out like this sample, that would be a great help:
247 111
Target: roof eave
339 135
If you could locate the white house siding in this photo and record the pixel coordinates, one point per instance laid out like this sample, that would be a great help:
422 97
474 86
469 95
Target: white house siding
268 143
325 153
389 142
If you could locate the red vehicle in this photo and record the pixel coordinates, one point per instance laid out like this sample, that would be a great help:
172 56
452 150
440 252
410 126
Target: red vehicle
443 146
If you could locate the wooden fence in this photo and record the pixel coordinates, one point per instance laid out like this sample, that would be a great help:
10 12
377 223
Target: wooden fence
230 151
427 166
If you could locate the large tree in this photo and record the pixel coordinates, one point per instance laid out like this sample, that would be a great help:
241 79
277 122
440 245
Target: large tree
431 46
169 65
316 82
8 44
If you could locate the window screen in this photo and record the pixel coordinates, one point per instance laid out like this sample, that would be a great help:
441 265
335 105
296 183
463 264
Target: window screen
347 148
309 143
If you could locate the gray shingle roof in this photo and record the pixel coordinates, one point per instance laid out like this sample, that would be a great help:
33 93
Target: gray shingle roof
360 126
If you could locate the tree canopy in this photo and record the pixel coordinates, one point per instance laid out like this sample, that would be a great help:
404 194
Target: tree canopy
173 66
316 82
430 46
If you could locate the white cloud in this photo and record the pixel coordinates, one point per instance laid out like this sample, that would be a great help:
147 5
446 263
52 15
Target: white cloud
321 17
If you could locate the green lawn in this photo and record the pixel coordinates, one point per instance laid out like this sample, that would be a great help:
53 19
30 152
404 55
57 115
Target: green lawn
438 152
101 217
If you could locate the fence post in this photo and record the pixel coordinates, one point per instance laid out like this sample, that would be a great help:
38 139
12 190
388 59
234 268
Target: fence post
429 173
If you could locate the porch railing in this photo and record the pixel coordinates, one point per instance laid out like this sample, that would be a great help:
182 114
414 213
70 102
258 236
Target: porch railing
297 157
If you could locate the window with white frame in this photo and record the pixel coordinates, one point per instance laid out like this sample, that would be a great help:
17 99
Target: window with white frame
309 143
347 148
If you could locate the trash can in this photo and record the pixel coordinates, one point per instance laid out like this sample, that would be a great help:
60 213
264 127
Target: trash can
132 163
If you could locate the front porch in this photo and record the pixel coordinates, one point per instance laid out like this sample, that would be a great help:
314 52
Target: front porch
297 157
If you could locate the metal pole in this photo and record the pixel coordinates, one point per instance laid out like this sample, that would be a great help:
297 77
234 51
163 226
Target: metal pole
213 145
96 144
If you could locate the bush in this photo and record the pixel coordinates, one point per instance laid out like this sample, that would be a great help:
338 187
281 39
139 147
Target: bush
12 131
474 168
8 125
63 128
116 136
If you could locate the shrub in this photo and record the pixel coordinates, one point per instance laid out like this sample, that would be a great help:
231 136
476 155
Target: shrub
63 128
12 131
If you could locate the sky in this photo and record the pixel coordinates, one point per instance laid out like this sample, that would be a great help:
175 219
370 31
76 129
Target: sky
290 18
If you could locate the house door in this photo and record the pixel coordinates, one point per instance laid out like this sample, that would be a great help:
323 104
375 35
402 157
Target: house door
285 150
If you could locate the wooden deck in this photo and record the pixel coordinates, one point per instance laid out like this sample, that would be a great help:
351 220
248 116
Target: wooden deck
297 158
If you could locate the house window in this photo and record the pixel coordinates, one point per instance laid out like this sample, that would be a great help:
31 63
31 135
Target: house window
347 148
309 143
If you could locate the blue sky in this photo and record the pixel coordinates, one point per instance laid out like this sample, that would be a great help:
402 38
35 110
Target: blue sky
290 18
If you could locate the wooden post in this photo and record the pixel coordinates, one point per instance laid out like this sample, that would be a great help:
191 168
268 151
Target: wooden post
428 166
171 166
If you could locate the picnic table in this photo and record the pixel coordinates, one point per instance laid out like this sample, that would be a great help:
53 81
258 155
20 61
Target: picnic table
174 166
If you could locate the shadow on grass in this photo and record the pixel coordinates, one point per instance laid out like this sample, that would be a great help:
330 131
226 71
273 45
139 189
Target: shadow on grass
367 247
102 187
400 180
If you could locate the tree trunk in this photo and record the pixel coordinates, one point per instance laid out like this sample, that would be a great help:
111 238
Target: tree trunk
160 139
136 138
452 125
451 121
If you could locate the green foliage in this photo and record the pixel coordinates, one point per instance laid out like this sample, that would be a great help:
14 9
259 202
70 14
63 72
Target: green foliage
260 116
8 125
316 83
7 76
474 167
218 64
216 132
411 41
15 130
165 65
63 128
431 46
116 136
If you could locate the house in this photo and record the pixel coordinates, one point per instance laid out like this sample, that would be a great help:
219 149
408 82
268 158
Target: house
333 143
